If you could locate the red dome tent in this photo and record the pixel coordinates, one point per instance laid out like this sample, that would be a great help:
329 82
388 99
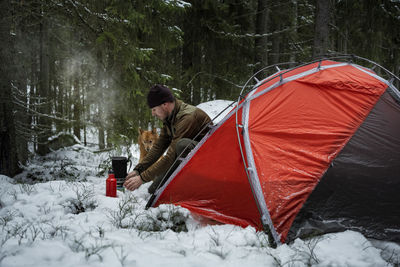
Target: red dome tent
313 149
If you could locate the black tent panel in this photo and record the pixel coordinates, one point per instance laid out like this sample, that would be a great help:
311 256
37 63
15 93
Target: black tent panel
361 188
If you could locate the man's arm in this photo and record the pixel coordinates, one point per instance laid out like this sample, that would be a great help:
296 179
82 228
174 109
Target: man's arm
184 128
155 152
133 180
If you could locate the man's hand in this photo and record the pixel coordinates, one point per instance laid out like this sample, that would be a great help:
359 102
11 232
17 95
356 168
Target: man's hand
131 175
133 182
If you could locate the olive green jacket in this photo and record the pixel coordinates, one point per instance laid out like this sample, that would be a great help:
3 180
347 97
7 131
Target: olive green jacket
185 121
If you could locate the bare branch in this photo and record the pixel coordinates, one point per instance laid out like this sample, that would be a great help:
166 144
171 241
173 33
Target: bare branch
253 35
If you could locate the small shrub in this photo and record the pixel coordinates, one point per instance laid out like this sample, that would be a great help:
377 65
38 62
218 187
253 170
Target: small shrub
154 220
391 256
216 245
55 230
100 231
125 209
83 202
121 255
104 166
93 249
27 188
305 253
13 194
17 231
173 218
35 175
8 217
45 208
220 252
64 169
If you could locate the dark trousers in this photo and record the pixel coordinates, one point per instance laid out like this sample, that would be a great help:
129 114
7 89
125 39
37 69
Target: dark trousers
182 148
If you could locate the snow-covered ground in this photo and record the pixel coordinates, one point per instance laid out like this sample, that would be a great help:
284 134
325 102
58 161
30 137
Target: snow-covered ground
66 220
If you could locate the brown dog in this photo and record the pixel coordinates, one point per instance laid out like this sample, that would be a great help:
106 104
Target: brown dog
146 140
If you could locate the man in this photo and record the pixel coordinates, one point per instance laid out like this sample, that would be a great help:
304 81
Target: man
183 125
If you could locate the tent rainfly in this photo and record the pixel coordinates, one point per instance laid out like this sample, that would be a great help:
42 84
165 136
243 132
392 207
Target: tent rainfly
310 150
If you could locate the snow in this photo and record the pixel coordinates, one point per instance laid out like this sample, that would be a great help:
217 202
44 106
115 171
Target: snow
217 109
66 220
178 3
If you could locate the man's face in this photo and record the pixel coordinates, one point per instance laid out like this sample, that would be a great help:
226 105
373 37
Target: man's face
160 111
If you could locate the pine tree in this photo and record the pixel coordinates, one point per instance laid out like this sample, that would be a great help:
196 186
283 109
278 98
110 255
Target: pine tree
8 146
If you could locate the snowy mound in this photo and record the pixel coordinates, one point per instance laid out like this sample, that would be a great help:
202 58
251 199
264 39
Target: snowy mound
215 107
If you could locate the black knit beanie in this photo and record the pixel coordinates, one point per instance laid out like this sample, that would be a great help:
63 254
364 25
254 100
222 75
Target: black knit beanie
159 94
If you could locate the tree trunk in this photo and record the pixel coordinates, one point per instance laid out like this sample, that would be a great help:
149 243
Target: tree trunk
32 119
321 34
20 111
85 117
21 117
77 108
44 87
8 146
276 43
294 34
191 52
108 139
101 137
261 42
99 88
187 67
60 104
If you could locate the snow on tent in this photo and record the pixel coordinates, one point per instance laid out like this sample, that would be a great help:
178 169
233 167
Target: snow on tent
309 150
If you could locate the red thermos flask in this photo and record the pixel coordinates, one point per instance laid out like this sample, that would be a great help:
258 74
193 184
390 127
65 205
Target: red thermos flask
111 185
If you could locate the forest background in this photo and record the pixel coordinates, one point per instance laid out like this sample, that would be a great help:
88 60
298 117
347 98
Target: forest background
68 65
